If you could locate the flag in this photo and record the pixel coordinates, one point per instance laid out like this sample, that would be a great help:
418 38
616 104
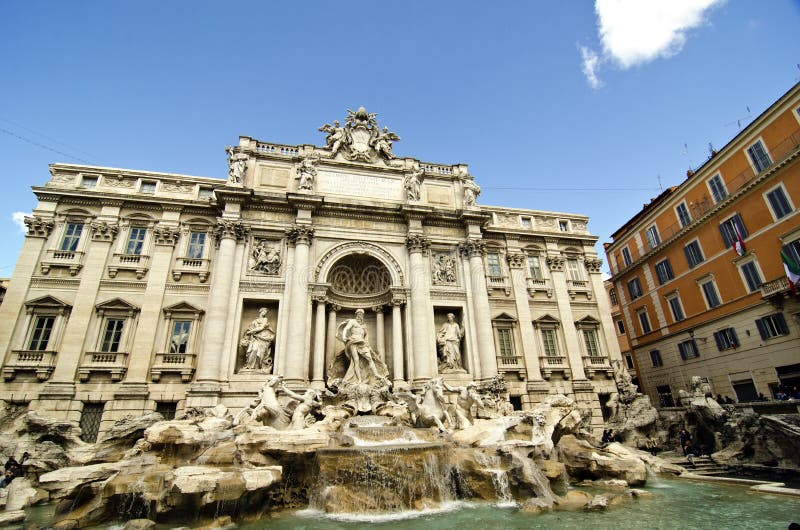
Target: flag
738 245
792 271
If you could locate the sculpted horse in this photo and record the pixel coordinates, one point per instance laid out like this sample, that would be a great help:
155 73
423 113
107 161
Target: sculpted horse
429 407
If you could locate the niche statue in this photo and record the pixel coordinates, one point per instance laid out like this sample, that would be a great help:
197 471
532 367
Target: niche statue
449 341
257 341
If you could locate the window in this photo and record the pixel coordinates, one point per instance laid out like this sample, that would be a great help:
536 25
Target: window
205 193
179 340
147 187
778 202
197 241
653 239
592 347
612 293
550 342
626 256
732 229
135 240
505 342
676 308
773 325
792 250
574 270
112 335
620 327
526 222
535 267
717 188
563 226
42 329
493 265
694 255
655 358
634 289
726 339
72 234
759 157
665 396
664 271
752 278
688 349
91 415
683 214
710 293
644 321
89 183
629 362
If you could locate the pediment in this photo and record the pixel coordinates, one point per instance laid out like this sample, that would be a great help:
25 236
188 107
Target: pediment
504 317
48 301
116 304
183 307
588 320
547 321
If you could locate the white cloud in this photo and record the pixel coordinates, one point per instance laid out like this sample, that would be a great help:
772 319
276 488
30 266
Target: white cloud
19 220
634 32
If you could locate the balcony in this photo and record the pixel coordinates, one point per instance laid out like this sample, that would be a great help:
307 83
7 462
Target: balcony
539 285
575 287
594 364
779 286
549 364
511 363
38 361
498 282
173 363
68 259
137 263
197 266
113 363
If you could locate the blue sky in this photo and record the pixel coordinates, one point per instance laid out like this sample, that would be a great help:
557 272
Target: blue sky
566 106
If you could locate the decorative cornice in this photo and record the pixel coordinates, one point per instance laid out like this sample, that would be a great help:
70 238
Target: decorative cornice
38 226
417 243
593 264
103 231
300 234
517 260
555 263
472 248
165 235
227 228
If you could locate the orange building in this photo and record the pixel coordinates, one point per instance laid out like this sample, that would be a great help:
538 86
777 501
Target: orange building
698 271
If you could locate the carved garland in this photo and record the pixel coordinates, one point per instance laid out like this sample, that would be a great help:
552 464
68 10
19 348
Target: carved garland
364 248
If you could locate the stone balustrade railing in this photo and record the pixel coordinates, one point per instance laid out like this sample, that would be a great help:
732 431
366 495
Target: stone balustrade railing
113 363
182 364
42 362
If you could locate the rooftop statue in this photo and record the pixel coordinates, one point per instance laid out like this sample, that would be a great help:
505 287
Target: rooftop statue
361 139
237 164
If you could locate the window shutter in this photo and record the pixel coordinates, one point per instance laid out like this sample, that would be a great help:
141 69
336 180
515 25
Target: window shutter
762 329
682 349
688 253
718 338
734 338
742 228
725 231
781 322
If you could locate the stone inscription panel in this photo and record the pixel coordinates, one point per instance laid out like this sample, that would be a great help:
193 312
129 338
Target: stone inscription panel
355 185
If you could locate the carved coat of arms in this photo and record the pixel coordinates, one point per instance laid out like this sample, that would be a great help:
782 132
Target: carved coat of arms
361 138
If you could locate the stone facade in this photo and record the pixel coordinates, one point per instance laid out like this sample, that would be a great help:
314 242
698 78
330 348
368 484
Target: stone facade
138 291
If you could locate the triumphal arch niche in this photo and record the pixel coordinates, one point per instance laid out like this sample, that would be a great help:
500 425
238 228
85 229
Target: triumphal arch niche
345 267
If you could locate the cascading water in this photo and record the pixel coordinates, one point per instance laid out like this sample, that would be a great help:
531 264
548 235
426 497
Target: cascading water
491 464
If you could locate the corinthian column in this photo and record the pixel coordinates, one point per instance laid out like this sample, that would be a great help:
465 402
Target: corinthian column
424 356
555 262
474 249
296 369
319 342
226 233
397 342
517 263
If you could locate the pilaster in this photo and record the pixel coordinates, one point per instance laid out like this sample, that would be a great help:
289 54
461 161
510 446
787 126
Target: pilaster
517 261
475 249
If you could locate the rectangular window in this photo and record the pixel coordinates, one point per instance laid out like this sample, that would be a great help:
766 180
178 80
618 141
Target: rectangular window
89 423
205 193
664 271
42 328
634 288
792 250
613 295
148 187
493 265
726 339
563 226
731 229
179 340
72 234
694 255
89 183
526 222
683 214
779 203
665 396
590 338
655 358
644 321
653 239
620 327
717 188
752 278
112 335
710 293
676 308
629 362
135 240
197 241
688 349
773 325
506 342
574 270
535 267
626 256
549 342
759 157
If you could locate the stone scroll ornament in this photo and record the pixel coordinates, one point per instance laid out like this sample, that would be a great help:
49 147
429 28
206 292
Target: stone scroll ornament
361 138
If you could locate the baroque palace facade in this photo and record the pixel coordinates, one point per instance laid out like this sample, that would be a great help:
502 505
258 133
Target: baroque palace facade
138 291
698 273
